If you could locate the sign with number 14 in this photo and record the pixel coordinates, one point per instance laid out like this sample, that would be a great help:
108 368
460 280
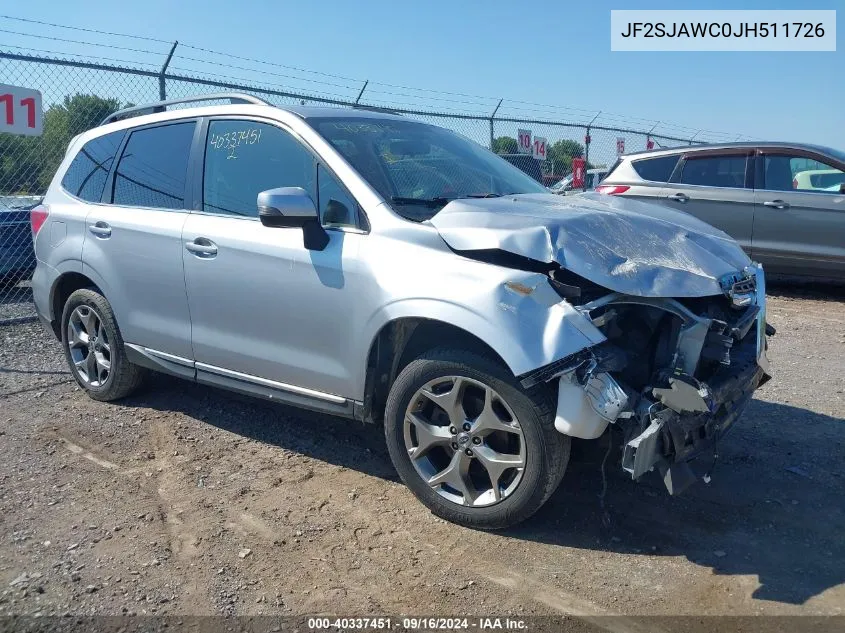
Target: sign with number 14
20 111
539 148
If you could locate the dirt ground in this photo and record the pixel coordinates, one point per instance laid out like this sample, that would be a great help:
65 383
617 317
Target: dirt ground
187 500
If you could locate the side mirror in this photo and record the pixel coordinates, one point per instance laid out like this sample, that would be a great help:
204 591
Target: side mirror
292 207
285 207
842 187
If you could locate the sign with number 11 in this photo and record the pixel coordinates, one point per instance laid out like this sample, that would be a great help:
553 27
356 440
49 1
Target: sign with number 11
20 111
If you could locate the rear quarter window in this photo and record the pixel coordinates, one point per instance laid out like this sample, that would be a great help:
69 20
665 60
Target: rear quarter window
86 176
657 169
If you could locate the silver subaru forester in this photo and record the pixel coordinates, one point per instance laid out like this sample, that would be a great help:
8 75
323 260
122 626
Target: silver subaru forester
366 265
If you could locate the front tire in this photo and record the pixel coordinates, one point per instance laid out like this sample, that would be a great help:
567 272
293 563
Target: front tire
94 348
470 443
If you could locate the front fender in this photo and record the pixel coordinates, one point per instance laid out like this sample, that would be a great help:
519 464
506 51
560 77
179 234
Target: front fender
524 321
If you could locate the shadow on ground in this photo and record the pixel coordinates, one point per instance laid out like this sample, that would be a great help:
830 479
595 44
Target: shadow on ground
817 291
773 509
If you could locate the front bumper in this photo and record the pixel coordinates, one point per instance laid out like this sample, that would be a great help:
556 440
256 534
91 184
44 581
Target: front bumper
685 408
676 436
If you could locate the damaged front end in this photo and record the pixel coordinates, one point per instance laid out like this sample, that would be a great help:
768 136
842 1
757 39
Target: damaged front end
673 374
673 308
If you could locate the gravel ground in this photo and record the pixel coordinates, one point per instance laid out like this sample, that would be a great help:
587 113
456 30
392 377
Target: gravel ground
15 302
187 500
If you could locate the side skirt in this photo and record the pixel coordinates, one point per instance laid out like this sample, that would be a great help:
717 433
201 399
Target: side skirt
244 383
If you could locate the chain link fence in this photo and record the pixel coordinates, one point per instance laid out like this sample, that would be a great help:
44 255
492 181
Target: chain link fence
78 95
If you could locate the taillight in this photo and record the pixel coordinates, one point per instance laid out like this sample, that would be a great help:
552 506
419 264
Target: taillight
37 217
612 190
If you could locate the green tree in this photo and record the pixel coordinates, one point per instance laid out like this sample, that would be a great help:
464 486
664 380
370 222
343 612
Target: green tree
505 145
20 164
27 164
63 121
561 153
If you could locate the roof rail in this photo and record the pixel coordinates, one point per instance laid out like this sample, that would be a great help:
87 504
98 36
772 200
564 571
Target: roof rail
160 106
361 106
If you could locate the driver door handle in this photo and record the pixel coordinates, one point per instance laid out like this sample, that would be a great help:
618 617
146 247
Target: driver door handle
202 247
679 197
776 204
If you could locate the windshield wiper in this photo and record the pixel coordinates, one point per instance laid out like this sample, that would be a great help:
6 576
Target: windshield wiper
492 195
442 200
424 202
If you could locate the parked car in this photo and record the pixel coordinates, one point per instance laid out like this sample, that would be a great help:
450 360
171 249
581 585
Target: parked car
592 178
526 163
390 271
815 179
17 257
562 185
782 202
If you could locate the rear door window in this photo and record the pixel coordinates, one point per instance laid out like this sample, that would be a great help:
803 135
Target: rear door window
715 171
86 176
153 168
657 169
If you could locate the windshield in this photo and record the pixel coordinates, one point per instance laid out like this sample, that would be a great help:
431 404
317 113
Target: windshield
419 168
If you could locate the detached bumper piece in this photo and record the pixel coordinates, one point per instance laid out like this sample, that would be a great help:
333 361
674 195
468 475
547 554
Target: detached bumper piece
684 417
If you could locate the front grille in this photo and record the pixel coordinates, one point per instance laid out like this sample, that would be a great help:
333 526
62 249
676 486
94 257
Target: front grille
743 286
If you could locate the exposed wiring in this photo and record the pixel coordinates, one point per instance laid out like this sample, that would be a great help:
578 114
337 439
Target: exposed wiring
605 516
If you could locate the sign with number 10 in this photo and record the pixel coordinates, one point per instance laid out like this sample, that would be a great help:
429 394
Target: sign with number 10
20 111
524 141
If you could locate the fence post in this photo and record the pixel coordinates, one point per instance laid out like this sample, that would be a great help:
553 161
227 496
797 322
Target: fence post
587 141
493 131
648 136
162 88
363 88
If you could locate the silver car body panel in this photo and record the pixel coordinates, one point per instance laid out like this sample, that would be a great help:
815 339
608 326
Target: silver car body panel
624 245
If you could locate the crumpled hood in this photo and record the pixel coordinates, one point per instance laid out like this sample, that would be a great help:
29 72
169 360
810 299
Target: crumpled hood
628 246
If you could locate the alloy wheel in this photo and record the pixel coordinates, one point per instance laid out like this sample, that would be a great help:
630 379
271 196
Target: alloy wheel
464 441
89 346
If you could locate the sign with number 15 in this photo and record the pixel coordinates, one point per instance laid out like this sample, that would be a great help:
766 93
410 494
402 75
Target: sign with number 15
20 111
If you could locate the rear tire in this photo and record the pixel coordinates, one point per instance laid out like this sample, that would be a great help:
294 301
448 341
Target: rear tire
483 496
94 348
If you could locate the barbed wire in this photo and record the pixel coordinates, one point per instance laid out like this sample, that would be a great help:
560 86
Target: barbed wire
414 96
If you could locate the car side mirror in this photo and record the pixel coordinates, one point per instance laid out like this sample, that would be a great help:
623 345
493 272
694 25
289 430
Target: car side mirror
292 207
842 188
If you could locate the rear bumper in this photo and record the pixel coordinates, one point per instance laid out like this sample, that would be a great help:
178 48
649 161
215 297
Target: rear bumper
42 279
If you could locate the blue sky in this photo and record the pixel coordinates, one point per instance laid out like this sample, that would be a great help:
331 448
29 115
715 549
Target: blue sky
537 52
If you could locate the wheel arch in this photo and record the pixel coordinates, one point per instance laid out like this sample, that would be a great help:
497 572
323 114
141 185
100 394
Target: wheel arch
66 284
400 341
